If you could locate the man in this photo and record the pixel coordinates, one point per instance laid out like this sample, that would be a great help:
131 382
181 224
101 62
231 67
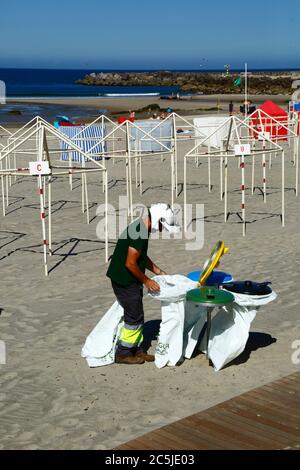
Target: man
127 273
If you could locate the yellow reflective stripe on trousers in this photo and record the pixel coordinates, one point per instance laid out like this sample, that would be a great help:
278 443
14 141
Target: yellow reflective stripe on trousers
131 337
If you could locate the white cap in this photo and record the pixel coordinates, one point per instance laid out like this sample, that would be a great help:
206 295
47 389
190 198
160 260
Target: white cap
164 214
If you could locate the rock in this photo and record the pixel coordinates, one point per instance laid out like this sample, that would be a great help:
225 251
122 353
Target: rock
207 83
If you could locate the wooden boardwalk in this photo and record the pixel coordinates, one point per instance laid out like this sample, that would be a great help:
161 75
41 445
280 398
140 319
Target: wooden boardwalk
264 418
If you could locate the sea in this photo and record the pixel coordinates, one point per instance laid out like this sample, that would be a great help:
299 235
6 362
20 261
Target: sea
54 83
58 83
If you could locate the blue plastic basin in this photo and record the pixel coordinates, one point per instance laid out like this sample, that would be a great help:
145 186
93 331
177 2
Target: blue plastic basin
216 278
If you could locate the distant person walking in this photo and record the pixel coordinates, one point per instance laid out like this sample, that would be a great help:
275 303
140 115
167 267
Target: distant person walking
231 108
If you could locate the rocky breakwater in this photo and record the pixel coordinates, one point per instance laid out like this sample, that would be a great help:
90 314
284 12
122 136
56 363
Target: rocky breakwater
204 82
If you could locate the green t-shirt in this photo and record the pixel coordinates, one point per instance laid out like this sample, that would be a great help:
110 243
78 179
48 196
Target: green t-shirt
135 235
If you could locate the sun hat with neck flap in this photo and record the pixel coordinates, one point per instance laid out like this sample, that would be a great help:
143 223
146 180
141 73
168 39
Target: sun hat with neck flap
163 213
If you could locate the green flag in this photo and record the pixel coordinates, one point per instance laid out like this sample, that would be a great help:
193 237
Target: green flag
237 81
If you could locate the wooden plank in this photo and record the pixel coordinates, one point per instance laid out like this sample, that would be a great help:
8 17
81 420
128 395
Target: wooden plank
264 418
227 438
247 435
257 427
202 436
271 399
263 406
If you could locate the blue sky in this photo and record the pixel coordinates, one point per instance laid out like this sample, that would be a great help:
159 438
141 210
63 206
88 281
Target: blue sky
149 34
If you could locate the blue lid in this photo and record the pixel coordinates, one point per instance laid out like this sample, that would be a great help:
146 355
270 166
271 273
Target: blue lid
217 277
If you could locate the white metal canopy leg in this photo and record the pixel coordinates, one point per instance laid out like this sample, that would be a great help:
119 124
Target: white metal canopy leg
50 215
264 174
297 165
282 190
221 177
243 195
43 224
226 189
106 217
3 192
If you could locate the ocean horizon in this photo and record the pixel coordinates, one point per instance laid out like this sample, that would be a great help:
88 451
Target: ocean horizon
47 83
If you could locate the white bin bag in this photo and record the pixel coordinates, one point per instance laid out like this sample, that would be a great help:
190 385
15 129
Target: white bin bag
194 321
173 289
100 346
230 328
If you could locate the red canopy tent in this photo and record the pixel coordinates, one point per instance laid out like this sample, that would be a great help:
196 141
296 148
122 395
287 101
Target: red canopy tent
265 117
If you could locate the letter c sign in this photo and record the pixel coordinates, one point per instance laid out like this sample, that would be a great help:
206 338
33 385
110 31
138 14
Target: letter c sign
39 168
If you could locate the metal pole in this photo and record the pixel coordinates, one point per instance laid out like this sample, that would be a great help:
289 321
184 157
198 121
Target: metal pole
50 215
246 90
264 173
106 217
184 194
172 179
40 183
209 171
221 174
15 164
253 175
297 165
243 195
6 181
82 193
176 155
141 181
129 171
86 199
70 168
127 185
2 191
136 172
226 189
282 190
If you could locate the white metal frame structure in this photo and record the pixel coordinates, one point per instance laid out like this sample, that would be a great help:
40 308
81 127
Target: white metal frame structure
129 156
176 138
41 130
266 121
201 150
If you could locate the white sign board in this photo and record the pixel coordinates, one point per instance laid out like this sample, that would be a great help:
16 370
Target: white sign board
264 136
39 168
244 149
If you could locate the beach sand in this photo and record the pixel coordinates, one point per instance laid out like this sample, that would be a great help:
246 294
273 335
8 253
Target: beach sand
204 103
49 398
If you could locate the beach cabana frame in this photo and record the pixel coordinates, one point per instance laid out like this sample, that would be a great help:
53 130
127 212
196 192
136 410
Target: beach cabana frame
41 130
224 154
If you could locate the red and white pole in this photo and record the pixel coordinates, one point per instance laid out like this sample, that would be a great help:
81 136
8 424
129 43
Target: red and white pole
243 194
264 173
41 193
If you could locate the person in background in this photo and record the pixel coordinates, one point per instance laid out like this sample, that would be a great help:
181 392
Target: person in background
231 108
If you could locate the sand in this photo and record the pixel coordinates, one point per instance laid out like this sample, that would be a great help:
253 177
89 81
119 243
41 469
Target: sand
115 105
49 398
